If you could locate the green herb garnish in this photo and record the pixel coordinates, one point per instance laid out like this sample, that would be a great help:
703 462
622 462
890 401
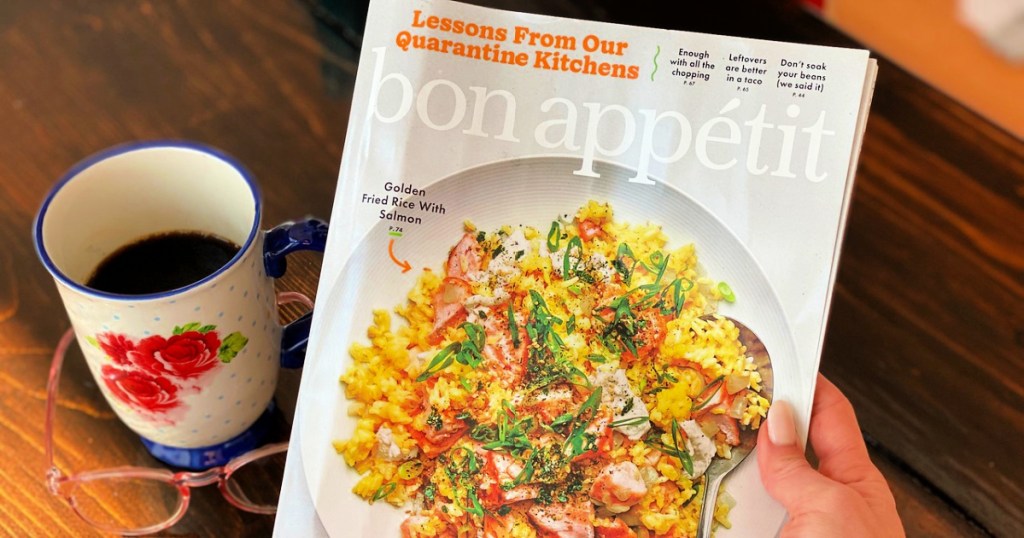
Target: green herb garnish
434 419
554 237
468 352
623 254
383 491
708 393
513 329
579 441
570 267
683 455
726 292
632 421
511 433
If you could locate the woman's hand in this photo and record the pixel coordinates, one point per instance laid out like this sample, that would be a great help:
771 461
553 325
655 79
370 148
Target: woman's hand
846 496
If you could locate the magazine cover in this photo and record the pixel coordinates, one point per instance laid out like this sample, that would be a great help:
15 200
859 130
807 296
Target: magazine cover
571 266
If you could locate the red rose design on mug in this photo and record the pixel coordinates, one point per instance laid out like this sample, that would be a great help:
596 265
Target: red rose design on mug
116 346
152 375
184 355
140 389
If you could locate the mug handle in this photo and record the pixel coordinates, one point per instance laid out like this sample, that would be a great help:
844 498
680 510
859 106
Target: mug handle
306 234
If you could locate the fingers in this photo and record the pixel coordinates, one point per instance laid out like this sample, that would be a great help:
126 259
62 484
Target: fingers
785 472
836 438
849 496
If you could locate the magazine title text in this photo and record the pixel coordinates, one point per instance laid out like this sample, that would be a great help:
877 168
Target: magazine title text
764 142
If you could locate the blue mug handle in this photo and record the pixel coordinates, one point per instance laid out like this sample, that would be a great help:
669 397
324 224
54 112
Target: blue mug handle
306 234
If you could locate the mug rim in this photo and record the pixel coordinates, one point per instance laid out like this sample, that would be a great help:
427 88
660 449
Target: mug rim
128 147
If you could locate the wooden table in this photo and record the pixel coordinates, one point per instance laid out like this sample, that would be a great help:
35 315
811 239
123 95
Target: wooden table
926 333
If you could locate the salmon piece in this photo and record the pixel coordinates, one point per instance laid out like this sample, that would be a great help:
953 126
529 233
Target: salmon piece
573 519
650 337
503 358
714 396
500 468
549 403
449 300
464 258
435 441
613 529
589 229
618 487
449 307
726 424
433 449
508 367
412 526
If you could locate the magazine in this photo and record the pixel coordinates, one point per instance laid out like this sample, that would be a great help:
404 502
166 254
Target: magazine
571 266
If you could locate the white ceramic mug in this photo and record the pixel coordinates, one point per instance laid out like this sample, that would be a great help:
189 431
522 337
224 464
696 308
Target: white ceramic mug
190 370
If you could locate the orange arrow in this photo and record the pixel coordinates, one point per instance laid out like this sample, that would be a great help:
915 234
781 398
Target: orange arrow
401 263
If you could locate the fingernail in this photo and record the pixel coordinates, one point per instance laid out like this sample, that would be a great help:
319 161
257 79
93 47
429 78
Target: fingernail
781 429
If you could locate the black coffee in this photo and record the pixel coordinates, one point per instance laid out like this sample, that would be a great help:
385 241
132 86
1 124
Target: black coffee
162 262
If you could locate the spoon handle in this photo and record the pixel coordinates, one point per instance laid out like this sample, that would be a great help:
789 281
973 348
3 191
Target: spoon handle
708 503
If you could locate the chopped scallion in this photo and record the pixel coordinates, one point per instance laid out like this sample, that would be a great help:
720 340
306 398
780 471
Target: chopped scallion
632 421
554 237
727 293
383 491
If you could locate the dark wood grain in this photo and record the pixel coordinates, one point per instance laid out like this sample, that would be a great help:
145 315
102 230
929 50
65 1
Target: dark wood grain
925 512
78 77
926 334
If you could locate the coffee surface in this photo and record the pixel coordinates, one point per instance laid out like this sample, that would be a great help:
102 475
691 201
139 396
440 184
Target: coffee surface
162 262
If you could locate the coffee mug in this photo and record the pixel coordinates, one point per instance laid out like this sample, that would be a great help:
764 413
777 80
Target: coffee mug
193 369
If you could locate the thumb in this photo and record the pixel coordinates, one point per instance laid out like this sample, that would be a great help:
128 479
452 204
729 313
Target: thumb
786 474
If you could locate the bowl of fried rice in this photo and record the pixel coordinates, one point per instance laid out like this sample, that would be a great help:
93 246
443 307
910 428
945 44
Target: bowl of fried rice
560 362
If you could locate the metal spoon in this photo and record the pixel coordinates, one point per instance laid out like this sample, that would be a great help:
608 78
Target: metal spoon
748 438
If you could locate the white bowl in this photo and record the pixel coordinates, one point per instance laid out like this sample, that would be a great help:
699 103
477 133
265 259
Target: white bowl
528 191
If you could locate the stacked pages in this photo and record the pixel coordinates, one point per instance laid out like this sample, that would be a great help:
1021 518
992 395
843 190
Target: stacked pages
571 264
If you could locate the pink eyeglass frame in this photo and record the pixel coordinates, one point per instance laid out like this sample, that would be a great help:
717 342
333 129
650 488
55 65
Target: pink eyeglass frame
61 485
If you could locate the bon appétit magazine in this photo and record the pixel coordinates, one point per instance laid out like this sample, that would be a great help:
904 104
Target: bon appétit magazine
571 265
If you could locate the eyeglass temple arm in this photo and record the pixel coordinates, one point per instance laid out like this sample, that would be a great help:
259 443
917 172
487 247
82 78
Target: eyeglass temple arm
52 385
